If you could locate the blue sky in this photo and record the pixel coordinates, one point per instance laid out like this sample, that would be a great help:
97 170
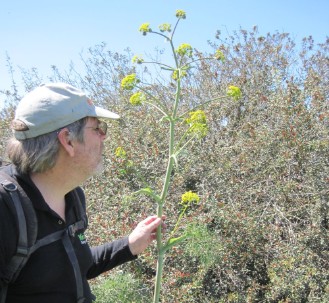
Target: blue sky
39 34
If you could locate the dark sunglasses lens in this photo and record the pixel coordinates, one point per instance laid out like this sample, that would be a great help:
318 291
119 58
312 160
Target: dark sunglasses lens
103 127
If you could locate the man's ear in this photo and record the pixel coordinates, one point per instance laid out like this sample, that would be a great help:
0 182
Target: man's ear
66 142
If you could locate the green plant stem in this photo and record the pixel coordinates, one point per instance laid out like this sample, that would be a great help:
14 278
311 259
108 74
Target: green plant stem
159 214
158 280
164 195
177 151
158 106
178 220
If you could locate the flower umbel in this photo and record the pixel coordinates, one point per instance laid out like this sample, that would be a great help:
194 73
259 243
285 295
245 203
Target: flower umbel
120 153
129 82
234 92
137 59
145 28
178 73
137 98
184 49
190 197
198 116
219 55
165 27
180 14
198 123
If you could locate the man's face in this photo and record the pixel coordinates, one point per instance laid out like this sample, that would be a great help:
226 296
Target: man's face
89 154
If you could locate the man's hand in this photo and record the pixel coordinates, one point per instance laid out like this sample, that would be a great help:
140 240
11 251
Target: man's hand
144 234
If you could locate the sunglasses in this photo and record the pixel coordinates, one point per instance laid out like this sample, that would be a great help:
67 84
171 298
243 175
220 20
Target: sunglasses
101 128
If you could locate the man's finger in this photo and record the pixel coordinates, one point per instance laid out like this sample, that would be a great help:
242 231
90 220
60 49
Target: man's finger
151 219
153 224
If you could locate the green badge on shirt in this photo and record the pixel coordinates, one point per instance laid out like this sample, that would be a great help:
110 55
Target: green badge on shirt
82 238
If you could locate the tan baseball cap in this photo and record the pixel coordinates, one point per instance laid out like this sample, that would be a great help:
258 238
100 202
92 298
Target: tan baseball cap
52 106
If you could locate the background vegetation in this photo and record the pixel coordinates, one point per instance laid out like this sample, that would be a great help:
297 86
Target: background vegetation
261 229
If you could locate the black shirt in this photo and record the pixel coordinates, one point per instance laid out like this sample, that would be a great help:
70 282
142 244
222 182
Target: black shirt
48 275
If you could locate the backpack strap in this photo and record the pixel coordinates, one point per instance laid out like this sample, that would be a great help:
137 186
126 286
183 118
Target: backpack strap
27 243
18 260
64 235
71 231
75 264
25 202
27 232
80 209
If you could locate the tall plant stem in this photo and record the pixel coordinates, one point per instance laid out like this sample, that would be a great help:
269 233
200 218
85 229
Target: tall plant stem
164 195
158 278
159 214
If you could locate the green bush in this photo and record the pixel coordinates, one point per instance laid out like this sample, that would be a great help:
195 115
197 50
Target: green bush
120 288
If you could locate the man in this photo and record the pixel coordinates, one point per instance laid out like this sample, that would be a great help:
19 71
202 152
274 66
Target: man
57 145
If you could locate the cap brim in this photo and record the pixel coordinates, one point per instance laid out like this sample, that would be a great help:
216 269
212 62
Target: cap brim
104 113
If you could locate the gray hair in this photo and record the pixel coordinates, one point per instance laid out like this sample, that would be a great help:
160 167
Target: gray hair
39 154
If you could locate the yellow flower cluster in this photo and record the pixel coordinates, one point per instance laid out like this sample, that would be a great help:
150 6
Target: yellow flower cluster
165 27
180 14
198 123
120 152
145 28
129 82
219 55
234 92
178 74
190 197
184 49
137 59
137 98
